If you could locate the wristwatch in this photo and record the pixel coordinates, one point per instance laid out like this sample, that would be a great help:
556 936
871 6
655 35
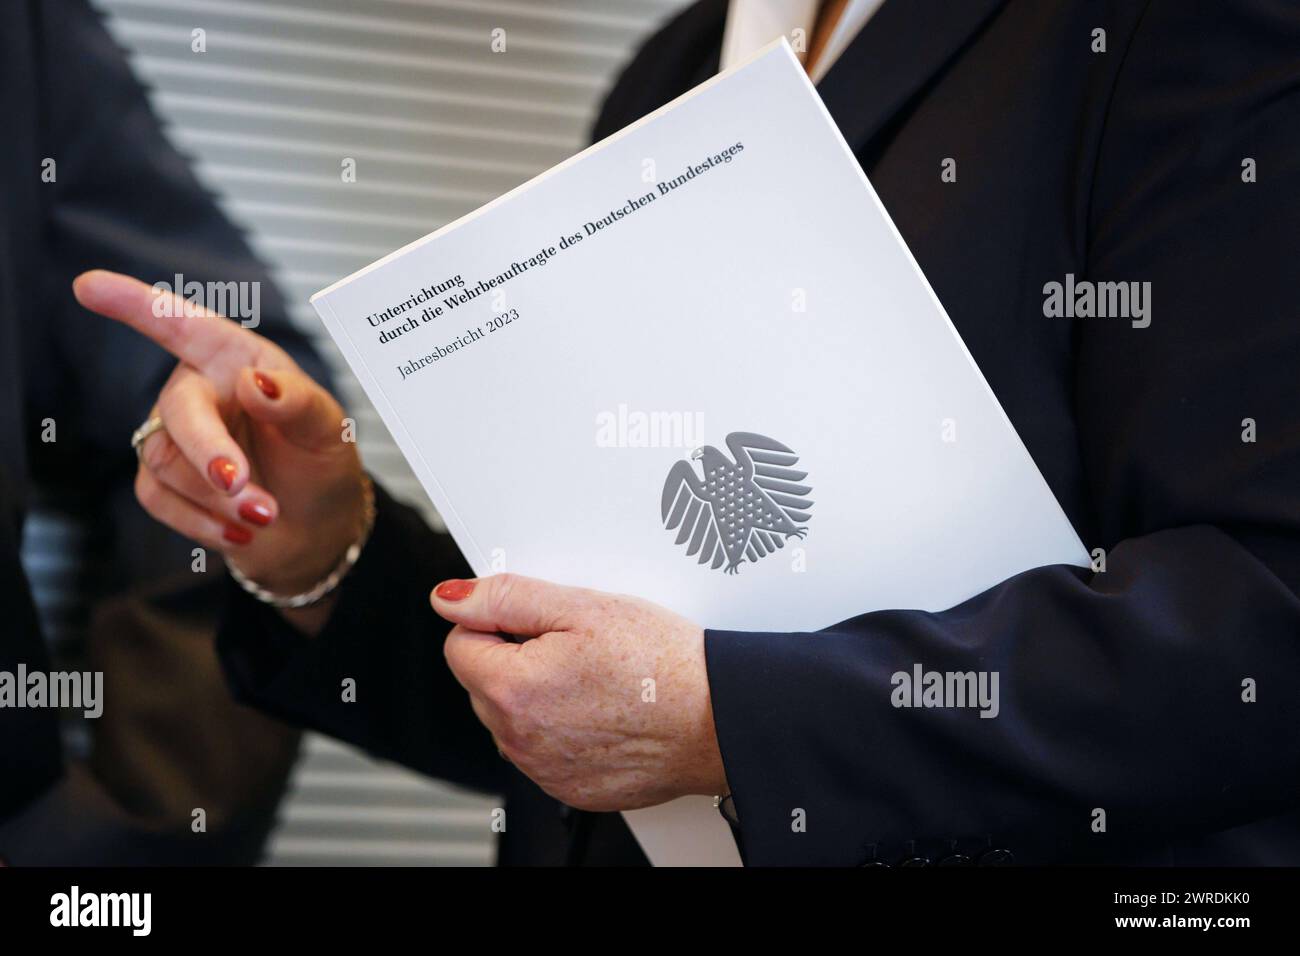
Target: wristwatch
727 807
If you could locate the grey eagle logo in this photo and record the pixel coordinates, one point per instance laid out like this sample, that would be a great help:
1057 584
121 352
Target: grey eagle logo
739 509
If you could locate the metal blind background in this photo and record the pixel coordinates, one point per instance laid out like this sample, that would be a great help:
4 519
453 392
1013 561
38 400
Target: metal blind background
437 124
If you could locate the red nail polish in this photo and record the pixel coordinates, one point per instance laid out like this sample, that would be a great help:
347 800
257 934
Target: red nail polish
266 384
454 590
237 535
223 472
254 512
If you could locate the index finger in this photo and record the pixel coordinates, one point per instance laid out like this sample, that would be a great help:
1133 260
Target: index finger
188 331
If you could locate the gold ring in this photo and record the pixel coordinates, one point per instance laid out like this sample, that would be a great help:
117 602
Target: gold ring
142 433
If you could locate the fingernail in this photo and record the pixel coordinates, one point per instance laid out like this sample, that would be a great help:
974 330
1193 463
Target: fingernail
266 384
254 512
454 590
223 472
237 535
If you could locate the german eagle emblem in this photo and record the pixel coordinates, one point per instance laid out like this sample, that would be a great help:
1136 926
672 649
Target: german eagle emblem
736 510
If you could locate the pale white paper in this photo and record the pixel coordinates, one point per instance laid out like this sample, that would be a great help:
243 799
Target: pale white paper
771 294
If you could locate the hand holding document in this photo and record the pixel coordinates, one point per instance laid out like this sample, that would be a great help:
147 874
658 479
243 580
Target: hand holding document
558 704
697 364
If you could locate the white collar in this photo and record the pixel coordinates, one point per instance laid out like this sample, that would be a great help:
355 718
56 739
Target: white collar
752 24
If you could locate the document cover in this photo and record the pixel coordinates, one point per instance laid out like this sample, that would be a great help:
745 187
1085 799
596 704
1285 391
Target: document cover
697 363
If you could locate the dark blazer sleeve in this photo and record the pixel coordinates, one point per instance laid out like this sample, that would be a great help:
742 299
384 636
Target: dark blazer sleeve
122 199
1121 691
384 637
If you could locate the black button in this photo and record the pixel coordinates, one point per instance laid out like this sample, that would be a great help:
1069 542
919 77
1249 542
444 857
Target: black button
998 857
957 859
915 861
874 863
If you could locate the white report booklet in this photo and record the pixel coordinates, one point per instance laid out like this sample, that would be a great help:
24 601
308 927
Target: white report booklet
696 363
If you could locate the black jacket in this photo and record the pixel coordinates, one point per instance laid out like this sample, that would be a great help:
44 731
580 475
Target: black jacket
119 198
1121 691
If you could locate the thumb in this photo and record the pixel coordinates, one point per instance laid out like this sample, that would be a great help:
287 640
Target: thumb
509 603
288 398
